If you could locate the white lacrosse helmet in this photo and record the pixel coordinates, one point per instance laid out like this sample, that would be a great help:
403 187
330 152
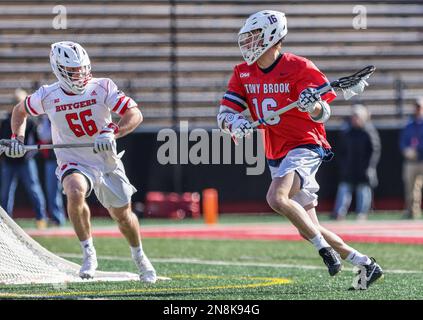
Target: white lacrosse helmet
260 32
71 65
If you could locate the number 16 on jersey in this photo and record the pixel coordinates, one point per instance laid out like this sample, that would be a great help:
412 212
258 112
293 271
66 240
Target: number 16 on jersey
265 109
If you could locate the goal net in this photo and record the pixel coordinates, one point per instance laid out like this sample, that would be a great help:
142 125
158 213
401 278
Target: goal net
24 261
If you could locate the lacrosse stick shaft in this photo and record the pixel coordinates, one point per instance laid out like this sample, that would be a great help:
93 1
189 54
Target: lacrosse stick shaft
293 105
58 146
345 83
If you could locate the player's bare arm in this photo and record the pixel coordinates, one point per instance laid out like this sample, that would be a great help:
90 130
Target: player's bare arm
19 116
131 119
18 123
106 140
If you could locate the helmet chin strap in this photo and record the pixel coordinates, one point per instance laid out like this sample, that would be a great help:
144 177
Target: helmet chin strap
70 92
280 52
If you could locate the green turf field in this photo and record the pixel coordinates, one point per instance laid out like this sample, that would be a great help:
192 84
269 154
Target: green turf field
224 219
231 269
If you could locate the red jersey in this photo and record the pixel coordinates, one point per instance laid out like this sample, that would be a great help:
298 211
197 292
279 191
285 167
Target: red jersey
265 90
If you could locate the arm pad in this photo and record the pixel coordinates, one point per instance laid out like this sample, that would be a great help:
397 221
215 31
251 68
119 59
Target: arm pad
324 114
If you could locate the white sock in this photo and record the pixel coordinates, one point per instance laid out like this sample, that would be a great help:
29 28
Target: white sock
319 242
88 246
356 258
137 251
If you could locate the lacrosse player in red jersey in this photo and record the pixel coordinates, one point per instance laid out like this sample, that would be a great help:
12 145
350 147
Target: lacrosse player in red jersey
80 108
295 143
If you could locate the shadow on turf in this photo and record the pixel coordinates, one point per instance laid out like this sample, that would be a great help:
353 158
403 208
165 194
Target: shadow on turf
209 295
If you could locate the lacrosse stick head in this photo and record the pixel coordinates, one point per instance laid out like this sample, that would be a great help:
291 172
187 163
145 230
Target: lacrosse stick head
354 84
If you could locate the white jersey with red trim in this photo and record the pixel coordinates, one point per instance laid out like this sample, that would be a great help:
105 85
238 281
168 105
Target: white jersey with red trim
79 118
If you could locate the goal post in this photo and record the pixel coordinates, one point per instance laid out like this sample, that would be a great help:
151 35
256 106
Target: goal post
24 261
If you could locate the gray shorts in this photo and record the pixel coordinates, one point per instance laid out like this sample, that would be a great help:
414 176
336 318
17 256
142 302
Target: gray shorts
305 163
112 189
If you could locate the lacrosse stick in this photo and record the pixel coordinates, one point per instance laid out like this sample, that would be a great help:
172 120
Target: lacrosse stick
5 142
58 146
349 85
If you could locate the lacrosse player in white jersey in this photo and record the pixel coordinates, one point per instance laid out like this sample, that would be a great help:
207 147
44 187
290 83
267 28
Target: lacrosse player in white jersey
80 108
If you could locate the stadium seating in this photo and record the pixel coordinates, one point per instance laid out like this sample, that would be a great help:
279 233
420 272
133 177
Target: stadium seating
132 43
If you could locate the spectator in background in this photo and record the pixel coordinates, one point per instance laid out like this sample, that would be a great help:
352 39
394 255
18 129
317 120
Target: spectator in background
358 154
53 187
24 168
411 145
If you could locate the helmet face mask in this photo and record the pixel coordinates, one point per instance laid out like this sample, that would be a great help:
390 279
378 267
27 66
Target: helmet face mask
251 44
78 77
260 32
71 66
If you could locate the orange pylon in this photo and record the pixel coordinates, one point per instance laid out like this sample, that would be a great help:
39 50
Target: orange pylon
210 206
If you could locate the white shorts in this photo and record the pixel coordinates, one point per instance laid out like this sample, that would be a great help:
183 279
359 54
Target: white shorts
113 189
305 163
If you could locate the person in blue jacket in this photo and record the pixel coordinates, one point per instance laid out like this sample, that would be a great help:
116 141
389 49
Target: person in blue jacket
411 145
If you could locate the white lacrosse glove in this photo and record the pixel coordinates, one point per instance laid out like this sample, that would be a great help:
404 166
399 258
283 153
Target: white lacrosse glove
307 100
106 141
238 126
15 149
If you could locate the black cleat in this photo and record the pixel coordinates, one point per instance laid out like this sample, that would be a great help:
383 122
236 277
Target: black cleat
331 260
367 275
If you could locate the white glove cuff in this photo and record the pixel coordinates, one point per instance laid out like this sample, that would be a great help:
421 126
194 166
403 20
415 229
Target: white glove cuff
226 119
111 127
221 123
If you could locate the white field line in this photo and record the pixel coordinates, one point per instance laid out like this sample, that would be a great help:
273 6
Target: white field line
231 263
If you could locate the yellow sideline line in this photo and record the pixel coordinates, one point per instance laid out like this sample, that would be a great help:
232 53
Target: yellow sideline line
266 282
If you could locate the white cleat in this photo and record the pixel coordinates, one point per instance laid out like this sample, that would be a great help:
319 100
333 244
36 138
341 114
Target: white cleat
146 269
89 265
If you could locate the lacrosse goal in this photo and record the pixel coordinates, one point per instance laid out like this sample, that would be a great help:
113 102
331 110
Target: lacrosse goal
24 261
